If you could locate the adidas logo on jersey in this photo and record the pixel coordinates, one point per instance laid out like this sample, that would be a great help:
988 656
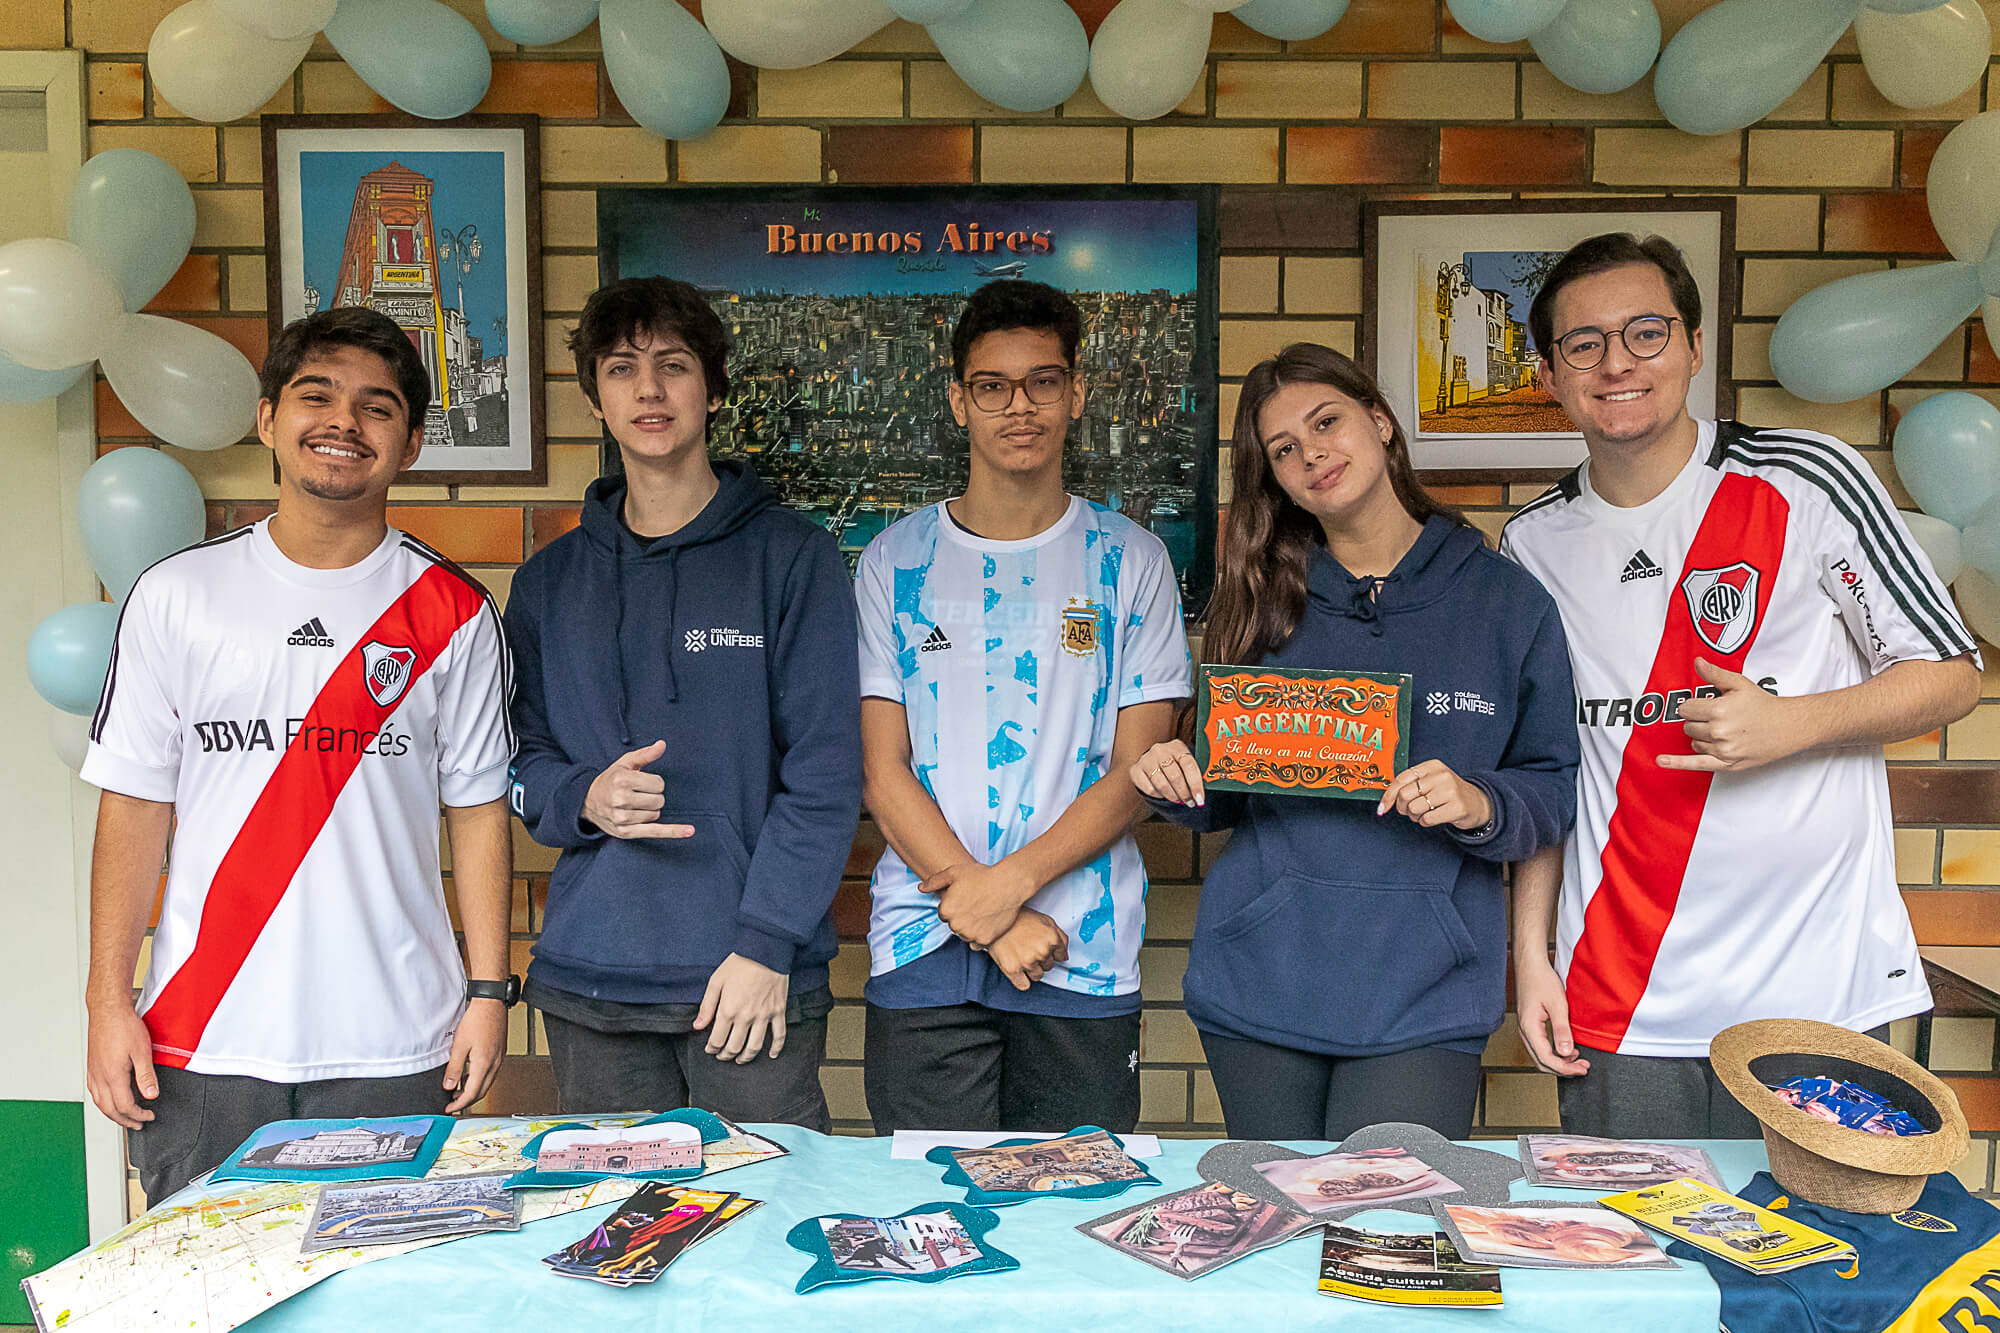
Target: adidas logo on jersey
936 643
312 634
1641 566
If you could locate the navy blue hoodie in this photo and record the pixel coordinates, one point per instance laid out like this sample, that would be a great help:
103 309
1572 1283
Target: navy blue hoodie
733 640
1325 928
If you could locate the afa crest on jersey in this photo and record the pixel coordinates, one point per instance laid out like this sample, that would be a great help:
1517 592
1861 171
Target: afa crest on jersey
1723 604
386 670
1079 627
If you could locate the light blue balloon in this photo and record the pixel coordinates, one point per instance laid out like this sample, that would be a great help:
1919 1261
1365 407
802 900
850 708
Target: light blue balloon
134 215
1600 46
1732 65
1504 20
1291 20
68 654
135 506
1980 540
1859 335
540 22
19 384
1025 55
1947 453
667 70
426 59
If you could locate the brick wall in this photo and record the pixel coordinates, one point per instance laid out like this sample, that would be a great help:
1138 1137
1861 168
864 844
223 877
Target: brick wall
1395 100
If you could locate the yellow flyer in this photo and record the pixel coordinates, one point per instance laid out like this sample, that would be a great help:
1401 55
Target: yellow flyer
1730 1228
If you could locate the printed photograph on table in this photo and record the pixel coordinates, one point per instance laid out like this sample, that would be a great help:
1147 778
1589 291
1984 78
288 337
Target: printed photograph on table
1086 1163
1538 1234
436 224
932 1242
1446 291
642 1236
667 1146
1340 1179
840 305
1195 1231
389 1212
1574 1161
363 1149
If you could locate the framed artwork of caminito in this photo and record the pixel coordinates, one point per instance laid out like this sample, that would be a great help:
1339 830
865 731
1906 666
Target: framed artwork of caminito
1446 286
437 224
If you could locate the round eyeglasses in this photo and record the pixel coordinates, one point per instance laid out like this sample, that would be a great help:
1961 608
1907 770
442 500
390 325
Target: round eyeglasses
995 393
1644 338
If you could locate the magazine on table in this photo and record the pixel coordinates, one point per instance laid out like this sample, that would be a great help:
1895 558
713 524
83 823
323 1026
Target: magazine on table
1755 1239
1393 1268
1577 1161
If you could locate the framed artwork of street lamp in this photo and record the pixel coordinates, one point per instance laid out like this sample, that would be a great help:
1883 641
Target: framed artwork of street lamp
1446 286
437 224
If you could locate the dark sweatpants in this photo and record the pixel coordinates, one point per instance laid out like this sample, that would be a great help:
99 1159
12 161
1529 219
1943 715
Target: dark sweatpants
1275 1092
199 1119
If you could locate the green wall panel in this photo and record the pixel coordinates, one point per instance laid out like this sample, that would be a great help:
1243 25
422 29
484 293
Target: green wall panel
42 1216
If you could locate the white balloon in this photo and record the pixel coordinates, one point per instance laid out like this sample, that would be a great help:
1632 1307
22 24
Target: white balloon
280 20
1963 187
184 384
1939 541
1979 602
1926 58
1215 6
53 304
69 736
790 34
215 69
1148 55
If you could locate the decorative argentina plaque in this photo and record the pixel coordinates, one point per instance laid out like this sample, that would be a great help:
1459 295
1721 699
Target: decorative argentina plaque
1303 733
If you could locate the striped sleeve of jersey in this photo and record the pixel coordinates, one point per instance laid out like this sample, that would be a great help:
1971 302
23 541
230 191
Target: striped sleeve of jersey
475 686
1155 663
880 635
1887 593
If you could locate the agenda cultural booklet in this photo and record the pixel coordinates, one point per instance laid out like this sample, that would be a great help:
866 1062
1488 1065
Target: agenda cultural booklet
1388 1268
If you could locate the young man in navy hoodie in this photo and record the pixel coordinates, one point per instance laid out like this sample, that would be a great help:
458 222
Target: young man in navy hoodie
689 737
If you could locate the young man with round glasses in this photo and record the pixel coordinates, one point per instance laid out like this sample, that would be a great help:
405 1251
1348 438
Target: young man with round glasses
1018 644
1749 622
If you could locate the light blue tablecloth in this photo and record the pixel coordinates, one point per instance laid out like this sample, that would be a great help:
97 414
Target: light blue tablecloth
742 1279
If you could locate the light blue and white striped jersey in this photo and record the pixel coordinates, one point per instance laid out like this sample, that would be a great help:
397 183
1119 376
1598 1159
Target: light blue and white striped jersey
1012 660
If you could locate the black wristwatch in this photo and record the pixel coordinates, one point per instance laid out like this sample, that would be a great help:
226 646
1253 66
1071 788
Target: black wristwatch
507 992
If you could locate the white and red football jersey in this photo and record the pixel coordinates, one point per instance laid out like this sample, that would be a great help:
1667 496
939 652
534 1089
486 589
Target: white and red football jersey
1693 901
305 723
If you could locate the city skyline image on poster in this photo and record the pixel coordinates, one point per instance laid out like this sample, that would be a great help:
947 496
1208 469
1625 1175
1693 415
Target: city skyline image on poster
840 306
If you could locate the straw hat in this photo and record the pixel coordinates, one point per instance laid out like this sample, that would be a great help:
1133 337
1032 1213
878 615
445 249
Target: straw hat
1815 1159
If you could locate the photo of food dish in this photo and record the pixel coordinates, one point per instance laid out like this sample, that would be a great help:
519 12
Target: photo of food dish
1582 1237
1338 1180
1579 1162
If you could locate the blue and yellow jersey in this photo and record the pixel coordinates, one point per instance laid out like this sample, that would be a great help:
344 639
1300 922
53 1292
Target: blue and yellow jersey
1932 1269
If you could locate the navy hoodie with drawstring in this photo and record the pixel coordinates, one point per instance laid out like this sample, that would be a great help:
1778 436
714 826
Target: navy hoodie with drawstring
1326 928
733 640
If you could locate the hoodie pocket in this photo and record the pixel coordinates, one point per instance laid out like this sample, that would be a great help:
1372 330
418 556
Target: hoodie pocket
645 905
1345 962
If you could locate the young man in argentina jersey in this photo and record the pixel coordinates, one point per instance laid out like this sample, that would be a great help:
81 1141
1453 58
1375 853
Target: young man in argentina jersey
1748 623
1020 647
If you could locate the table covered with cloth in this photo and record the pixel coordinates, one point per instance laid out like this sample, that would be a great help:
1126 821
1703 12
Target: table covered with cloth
743 1277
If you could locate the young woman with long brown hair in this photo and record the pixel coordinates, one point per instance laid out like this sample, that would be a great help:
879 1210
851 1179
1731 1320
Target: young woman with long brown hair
1349 957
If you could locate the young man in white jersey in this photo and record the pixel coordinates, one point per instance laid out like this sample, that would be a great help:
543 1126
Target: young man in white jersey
1018 644
1749 622
292 701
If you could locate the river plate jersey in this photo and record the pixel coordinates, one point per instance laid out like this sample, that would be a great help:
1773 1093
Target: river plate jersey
1934 1268
305 723
1012 660
1693 901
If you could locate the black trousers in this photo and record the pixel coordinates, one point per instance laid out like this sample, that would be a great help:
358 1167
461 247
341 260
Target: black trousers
633 1071
968 1067
1275 1092
1656 1097
199 1119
